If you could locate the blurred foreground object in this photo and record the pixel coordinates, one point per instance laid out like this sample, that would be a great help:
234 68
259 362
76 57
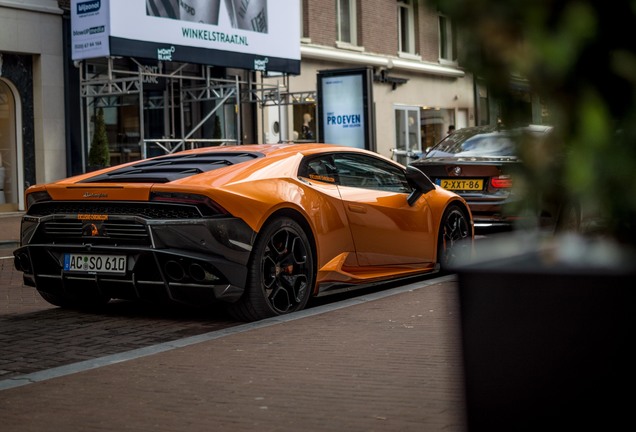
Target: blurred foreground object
577 61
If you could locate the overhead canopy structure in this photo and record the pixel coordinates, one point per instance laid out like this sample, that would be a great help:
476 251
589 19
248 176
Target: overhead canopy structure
262 35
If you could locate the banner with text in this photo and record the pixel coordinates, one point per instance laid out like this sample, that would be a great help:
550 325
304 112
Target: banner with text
249 34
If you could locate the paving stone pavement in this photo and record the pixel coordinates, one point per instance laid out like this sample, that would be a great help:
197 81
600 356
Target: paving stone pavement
386 363
391 364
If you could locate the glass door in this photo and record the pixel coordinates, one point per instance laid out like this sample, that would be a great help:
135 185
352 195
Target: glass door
407 133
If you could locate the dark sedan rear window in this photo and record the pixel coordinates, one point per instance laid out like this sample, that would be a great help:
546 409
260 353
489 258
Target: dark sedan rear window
478 145
174 167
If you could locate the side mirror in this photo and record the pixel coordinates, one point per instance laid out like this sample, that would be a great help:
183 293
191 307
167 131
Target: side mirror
420 183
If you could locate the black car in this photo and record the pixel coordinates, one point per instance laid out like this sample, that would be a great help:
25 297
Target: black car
483 165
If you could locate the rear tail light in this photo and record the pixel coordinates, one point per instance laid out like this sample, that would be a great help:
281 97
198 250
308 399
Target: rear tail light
501 182
36 197
204 203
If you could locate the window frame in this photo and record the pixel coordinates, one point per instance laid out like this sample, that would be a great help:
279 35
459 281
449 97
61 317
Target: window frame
331 172
406 8
447 35
408 137
352 22
375 179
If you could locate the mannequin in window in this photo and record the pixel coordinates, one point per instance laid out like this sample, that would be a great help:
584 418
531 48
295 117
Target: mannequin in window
307 132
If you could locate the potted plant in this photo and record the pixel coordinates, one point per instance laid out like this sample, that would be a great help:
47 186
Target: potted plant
547 320
99 154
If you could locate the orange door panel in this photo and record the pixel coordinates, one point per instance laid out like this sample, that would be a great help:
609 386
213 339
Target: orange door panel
386 230
329 218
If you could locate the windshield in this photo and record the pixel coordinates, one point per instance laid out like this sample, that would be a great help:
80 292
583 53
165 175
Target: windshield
471 143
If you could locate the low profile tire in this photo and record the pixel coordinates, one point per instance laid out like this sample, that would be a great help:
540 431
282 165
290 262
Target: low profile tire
454 240
280 273
85 303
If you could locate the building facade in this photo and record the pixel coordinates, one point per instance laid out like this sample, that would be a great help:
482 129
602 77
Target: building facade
32 115
419 88
48 102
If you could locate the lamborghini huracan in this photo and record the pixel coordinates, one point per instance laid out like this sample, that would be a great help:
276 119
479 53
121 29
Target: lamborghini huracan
261 228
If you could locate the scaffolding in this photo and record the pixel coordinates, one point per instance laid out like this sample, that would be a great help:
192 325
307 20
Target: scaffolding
184 85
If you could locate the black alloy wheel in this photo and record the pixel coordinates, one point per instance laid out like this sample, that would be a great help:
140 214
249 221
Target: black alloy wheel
280 273
455 239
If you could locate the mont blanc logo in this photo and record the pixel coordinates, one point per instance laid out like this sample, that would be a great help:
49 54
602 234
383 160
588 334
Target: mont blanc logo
261 64
165 53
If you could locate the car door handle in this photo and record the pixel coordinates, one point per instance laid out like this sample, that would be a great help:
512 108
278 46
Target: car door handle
357 208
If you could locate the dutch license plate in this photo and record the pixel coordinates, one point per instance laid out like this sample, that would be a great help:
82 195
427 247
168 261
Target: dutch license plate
95 263
461 184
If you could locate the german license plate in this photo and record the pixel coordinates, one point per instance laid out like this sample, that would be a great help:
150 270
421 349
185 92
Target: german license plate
461 184
95 263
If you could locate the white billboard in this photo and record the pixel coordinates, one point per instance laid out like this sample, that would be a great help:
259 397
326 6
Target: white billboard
248 34
89 29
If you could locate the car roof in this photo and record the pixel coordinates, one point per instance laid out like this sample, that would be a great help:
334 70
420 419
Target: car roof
280 148
188 163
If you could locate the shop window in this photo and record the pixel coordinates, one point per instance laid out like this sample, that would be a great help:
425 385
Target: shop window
435 123
9 166
304 123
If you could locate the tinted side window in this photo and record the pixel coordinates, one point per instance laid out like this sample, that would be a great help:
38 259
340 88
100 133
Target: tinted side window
357 170
320 168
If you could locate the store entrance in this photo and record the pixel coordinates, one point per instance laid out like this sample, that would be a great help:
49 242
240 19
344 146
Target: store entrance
11 172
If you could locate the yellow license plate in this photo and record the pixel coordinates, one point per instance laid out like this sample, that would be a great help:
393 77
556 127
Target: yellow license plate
462 184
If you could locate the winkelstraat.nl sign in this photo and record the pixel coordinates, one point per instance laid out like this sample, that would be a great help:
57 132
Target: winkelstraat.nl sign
247 34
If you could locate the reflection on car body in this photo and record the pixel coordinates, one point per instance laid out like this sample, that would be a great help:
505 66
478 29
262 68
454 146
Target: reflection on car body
261 228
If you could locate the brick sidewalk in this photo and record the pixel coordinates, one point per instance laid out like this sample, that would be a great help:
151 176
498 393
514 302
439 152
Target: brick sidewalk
381 365
9 232
387 364
10 226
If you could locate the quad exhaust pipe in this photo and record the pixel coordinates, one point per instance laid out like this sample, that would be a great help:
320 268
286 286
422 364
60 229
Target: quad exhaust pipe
22 262
178 271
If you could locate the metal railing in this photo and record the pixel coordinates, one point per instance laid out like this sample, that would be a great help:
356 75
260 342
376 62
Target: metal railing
404 156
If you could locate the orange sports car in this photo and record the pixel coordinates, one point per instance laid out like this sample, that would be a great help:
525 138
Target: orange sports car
261 228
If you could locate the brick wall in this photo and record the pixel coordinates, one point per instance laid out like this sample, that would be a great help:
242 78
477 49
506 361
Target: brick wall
377 26
377 21
321 21
428 42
